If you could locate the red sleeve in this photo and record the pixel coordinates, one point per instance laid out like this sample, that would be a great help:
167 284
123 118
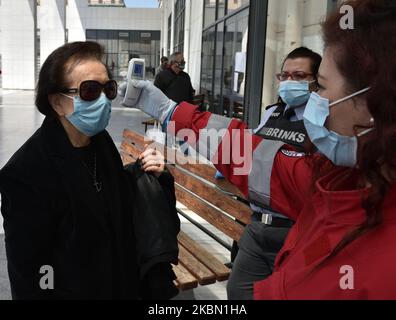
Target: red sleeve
291 183
233 155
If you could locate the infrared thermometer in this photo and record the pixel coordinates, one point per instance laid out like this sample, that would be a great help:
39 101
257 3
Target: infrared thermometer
136 71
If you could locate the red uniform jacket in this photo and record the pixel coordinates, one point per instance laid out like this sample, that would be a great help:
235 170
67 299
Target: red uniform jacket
365 269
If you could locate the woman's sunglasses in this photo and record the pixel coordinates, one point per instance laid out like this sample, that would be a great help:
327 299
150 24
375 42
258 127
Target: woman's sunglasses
91 90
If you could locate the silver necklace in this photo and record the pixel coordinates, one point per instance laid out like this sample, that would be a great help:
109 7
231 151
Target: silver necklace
97 184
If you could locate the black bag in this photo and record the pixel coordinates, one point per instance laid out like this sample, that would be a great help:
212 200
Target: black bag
156 225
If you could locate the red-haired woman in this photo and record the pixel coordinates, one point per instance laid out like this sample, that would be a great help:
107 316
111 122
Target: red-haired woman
343 243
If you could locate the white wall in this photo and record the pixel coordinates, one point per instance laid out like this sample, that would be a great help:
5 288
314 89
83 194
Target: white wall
81 17
17 33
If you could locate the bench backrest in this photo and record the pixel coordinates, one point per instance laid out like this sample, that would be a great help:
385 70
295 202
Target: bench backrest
216 201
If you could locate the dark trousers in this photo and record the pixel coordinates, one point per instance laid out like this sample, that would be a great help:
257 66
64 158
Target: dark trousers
258 248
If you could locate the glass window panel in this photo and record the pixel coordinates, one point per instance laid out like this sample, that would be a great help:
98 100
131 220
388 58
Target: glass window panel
91 35
179 25
102 34
290 26
221 9
210 12
169 34
123 45
217 100
112 35
135 47
235 54
233 5
208 46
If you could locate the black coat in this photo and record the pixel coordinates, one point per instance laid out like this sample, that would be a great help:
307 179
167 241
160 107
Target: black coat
176 87
53 216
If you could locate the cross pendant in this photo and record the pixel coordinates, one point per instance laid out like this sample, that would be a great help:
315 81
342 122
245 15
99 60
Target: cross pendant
98 186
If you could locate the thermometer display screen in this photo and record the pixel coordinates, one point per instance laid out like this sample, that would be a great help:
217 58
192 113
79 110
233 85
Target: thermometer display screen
138 70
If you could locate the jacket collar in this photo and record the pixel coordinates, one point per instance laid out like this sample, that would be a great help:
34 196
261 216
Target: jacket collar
343 200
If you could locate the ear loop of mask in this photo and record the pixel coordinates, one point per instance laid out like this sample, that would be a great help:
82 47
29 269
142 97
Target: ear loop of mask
350 97
367 130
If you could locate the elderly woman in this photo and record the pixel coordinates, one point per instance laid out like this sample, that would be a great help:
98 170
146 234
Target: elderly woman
65 199
343 198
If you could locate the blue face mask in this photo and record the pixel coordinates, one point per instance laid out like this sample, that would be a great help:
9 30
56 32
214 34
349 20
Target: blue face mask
294 93
90 117
341 150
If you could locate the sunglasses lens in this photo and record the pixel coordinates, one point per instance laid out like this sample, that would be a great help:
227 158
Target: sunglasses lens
90 90
110 90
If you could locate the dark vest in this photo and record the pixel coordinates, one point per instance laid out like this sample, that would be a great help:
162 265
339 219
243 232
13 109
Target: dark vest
280 128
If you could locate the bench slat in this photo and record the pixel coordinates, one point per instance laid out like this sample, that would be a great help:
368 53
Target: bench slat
195 267
216 218
224 202
185 280
204 171
131 150
207 172
135 137
220 270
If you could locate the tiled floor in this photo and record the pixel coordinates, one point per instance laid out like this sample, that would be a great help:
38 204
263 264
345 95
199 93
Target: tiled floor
19 120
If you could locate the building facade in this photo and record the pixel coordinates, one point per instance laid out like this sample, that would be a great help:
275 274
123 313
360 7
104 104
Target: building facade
234 48
30 30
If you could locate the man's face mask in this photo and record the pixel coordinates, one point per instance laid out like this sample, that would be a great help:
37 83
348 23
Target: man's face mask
181 65
295 93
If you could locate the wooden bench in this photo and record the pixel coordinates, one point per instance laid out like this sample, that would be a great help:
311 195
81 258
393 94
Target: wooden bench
216 201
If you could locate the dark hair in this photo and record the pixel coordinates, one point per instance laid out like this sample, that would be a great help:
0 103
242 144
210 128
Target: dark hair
365 59
163 59
53 74
303 52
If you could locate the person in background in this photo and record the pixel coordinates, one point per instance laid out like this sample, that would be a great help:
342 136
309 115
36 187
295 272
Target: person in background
163 66
174 82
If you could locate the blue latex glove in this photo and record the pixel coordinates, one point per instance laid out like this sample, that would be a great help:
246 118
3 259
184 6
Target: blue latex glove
151 99
219 176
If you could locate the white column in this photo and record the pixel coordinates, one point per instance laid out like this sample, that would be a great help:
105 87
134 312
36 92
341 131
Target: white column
271 54
172 9
187 34
294 25
165 14
162 41
195 45
18 37
52 26
76 19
